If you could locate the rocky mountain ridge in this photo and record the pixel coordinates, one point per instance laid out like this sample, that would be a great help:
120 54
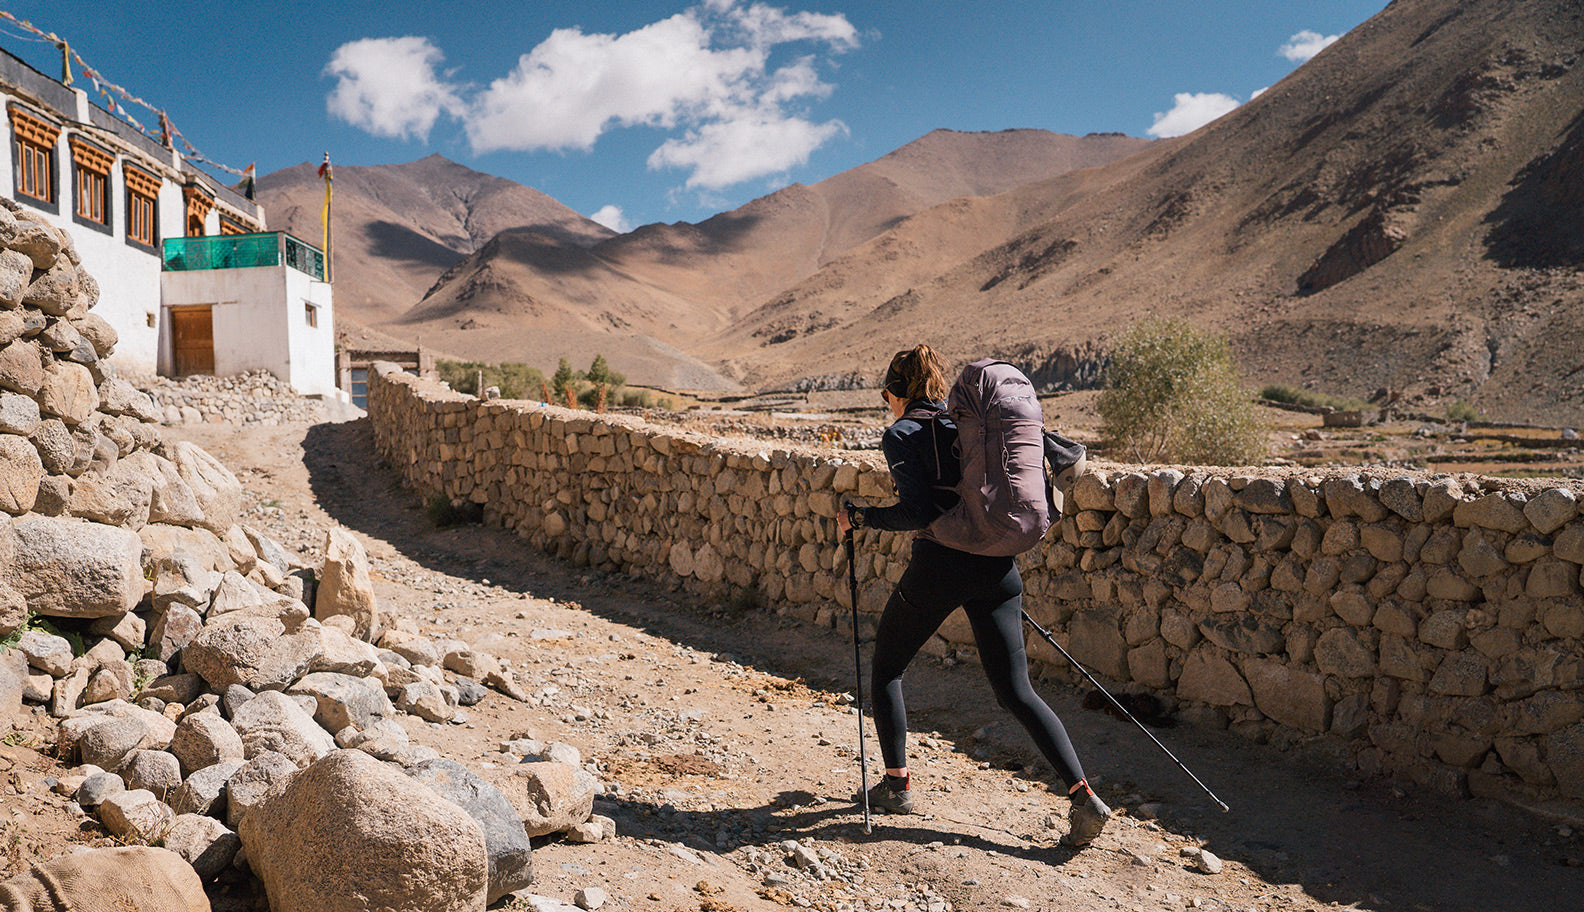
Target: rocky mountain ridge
1396 218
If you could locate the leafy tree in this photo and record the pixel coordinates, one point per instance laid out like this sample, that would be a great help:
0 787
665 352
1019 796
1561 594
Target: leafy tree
1173 393
564 379
600 372
514 380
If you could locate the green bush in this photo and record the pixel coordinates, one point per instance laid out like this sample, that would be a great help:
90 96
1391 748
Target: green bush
1293 395
515 381
1462 411
1174 394
519 381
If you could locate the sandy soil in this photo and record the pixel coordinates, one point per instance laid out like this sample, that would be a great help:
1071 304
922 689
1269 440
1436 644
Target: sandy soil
726 740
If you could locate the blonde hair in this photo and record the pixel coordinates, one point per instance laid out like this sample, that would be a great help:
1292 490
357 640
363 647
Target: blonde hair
917 373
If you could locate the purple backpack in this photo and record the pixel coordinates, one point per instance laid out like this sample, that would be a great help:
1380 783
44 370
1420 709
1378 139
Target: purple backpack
1006 504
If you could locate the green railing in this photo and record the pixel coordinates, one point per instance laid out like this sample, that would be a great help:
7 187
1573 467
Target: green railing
241 251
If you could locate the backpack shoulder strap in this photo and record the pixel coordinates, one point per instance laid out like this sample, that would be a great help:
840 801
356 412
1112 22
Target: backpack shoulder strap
936 420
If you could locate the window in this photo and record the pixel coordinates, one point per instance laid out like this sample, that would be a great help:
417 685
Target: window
142 207
229 225
91 187
34 144
311 314
199 202
92 199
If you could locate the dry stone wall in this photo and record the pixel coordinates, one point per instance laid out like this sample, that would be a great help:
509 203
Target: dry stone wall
1421 627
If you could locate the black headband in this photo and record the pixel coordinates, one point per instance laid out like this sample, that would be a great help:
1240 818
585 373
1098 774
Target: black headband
895 383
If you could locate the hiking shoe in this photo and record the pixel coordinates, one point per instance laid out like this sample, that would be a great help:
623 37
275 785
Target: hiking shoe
1087 818
891 795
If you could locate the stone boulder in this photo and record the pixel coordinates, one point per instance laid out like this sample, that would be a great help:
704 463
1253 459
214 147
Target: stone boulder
204 790
342 653
238 593
505 839
157 772
67 568
120 879
217 491
260 777
257 652
47 652
68 392
13 683
136 816
107 744
203 842
548 796
344 701
162 541
373 838
273 721
119 497
203 740
345 587
21 470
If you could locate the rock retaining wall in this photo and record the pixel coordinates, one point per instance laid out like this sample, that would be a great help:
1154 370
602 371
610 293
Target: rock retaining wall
1423 627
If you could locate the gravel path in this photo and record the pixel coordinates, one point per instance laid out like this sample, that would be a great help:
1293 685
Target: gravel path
727 743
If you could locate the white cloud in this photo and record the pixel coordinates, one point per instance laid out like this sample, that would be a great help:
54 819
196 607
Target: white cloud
572 87
612 217
388 86
743 146
704 73
1301 47
1190 111
763 26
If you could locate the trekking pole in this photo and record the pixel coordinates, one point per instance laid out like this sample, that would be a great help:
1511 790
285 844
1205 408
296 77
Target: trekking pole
1122 709
863 758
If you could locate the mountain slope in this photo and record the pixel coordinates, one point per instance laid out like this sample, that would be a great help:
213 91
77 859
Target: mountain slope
398 227
675 285
1401 213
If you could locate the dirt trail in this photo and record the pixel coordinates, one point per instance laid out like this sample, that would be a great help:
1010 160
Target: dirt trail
724 736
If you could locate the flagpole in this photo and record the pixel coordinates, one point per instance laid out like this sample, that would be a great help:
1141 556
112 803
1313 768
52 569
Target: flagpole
329 177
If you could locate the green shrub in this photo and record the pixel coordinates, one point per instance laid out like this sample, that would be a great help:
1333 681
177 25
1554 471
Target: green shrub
515 381
1462 411
1174 394
1293 395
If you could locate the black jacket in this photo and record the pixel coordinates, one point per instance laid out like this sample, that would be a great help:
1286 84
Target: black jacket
919 449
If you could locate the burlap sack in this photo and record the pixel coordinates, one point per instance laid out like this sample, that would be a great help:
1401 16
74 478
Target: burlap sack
123 879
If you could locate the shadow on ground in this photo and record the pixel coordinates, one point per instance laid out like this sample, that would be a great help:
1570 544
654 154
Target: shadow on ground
1295 818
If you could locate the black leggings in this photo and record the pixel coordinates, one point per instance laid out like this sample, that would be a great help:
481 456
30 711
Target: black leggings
990 591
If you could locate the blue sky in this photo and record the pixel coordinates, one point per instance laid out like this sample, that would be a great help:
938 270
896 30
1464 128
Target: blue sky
637 111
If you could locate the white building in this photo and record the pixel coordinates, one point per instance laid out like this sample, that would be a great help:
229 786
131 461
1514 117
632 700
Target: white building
182 261
241 302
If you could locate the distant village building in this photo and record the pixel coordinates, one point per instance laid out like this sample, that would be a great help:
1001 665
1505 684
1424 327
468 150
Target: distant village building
189 276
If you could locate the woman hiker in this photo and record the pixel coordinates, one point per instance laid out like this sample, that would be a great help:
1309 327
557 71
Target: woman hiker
919 450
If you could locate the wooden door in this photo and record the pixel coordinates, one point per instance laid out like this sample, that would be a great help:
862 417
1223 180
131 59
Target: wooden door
192 336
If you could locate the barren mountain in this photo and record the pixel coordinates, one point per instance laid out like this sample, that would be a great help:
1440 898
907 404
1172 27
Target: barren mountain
1402 212
640 297
1400 217
398 227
